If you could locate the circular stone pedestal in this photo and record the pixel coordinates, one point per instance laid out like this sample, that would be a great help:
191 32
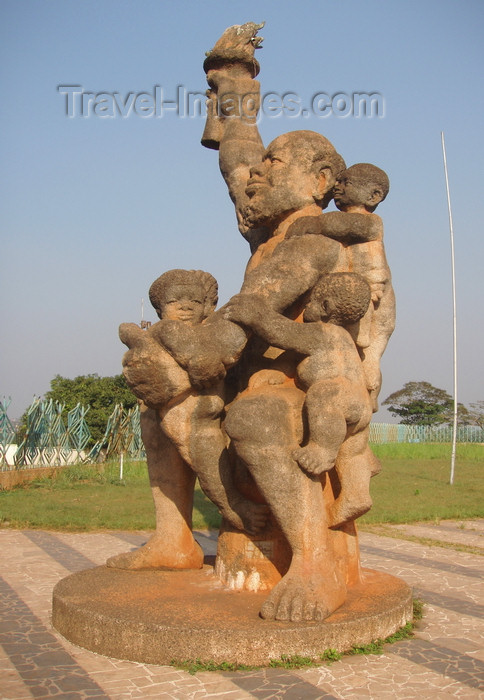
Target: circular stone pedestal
161 616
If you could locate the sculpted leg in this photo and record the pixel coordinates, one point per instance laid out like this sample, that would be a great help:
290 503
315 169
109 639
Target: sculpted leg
333 406
172 482
325 404
355 465
219 487
196 431
266 427
382 325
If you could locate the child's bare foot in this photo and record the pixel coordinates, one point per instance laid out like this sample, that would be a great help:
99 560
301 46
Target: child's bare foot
314 459
247 515
157 554
343 510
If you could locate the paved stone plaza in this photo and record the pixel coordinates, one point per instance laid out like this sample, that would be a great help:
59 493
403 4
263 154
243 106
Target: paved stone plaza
445 659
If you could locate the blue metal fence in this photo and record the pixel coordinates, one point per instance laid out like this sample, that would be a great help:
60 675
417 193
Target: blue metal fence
388 432
7 432
50 441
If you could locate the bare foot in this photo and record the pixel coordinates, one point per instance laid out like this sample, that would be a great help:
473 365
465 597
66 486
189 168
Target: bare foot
157 554
247 515
314 459
344 510
304 597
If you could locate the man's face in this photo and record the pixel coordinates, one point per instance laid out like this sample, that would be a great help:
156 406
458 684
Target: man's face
282 183
184 302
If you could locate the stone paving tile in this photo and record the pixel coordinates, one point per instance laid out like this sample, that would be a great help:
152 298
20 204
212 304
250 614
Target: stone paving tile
466 532
463 607
107 544
445 660
135 538
207 540
276 683
63 553
385 676
39 659
218 685
436 558
435 570
11 685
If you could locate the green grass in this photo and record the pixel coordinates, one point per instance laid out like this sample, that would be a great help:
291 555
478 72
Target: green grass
412 486
414 483
82 498
467 452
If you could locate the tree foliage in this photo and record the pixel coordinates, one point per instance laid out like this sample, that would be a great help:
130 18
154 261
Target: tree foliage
476 414
101 394
420 403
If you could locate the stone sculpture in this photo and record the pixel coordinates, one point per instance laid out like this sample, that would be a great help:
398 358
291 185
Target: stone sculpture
268 400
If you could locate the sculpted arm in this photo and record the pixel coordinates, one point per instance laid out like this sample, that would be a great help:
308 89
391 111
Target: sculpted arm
204 351
292 270
347 227
232 108
382 327
240 146
178 338
274 328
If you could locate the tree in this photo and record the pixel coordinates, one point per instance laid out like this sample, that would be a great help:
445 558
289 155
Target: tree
476 414
101 394
420 403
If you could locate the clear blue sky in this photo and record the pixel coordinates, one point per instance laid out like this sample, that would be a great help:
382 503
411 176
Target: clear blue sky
94 209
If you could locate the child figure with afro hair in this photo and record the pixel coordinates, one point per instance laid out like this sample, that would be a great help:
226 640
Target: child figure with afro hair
187 400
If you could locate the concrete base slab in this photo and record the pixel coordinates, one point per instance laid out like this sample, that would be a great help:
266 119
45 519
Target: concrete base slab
161 616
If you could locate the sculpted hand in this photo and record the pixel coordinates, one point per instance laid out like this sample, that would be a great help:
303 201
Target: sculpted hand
247 309
131 335
205 370
377 289
236 46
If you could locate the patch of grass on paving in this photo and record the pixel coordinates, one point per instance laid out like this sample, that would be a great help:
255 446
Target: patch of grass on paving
296 661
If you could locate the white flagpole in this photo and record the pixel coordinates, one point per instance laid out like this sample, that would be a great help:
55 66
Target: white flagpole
451 226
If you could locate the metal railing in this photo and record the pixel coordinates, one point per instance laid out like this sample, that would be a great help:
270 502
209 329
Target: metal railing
388 432
53 438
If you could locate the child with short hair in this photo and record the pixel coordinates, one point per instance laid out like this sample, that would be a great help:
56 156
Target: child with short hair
357 192
337 403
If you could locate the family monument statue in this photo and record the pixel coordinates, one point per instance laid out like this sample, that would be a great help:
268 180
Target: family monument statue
267 401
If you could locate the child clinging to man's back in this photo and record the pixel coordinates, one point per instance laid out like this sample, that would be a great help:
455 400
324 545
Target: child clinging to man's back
359 190
337 404
190 416
357 193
